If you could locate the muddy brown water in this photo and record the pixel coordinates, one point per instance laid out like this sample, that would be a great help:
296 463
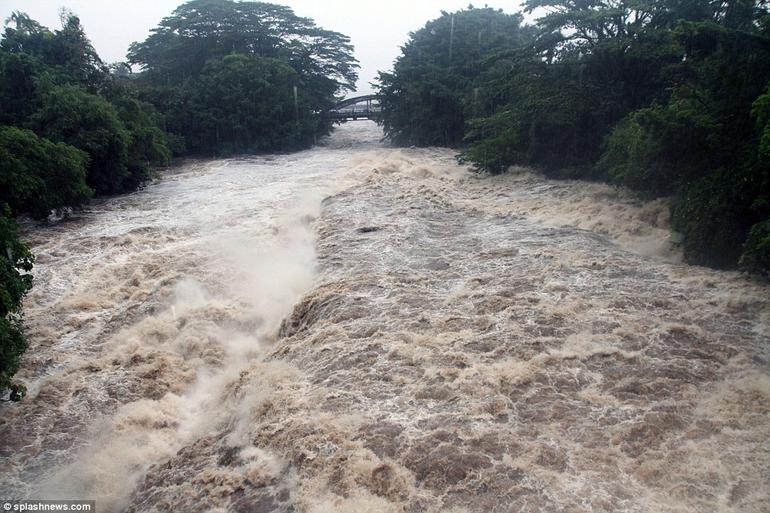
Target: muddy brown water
356 328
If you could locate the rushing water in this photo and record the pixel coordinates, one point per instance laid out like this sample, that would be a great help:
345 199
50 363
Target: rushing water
423 339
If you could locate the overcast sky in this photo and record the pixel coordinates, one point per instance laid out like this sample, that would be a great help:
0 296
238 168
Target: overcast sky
377 29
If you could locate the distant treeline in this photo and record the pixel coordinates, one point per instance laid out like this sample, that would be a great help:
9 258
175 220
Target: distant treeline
217 77
667 97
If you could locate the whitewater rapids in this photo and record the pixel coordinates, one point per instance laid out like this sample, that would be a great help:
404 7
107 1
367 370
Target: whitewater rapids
361 329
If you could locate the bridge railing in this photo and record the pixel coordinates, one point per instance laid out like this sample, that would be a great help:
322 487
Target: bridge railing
347 109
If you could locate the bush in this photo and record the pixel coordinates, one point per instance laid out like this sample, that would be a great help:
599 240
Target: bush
90 123
15 264
756 250
714 215
40 176
657 150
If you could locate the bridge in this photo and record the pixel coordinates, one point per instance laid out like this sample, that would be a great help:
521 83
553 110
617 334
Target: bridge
359 107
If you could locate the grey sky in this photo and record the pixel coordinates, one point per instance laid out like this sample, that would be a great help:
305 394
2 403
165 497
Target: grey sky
377 29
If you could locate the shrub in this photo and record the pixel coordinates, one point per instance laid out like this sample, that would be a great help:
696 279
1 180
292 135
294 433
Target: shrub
15 280
756 250
40 176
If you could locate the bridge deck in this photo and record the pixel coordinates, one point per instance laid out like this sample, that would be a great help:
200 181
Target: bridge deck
349 109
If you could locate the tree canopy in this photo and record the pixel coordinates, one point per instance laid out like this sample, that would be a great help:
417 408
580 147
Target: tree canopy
39 176
254 54
432 89
203 29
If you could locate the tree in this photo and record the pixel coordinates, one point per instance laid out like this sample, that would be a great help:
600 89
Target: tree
148 145
67 54
20 88
434 84
590 65
39 176
88 122
72 50
245 103
199 30
232 41
703 146
756 249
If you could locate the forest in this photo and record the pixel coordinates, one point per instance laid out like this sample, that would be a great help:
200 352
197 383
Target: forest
666 97
216 77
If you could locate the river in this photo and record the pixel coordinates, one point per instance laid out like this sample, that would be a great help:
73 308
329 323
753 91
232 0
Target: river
356 328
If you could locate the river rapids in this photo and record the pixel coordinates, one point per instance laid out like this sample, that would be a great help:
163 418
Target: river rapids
361 329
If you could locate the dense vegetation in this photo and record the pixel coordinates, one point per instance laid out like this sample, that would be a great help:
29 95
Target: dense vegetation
243 76
217 77
667 97
15 281
434 86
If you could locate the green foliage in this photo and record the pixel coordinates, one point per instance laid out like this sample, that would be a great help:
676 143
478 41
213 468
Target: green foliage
587 68
223 73
756 249
200 30
90 123
434 86
39 176
20 88
703 147
65 55
760 110
712 214
120 138
229 112
148 145
15 281
56 84
496 140
658 150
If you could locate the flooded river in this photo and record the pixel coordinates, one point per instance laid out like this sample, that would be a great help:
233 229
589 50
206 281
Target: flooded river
362 329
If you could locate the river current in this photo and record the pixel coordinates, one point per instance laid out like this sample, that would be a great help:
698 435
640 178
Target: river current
362 329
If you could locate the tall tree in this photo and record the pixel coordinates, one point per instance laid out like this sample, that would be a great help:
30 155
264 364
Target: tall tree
203 29
244 44
433 86
67 53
